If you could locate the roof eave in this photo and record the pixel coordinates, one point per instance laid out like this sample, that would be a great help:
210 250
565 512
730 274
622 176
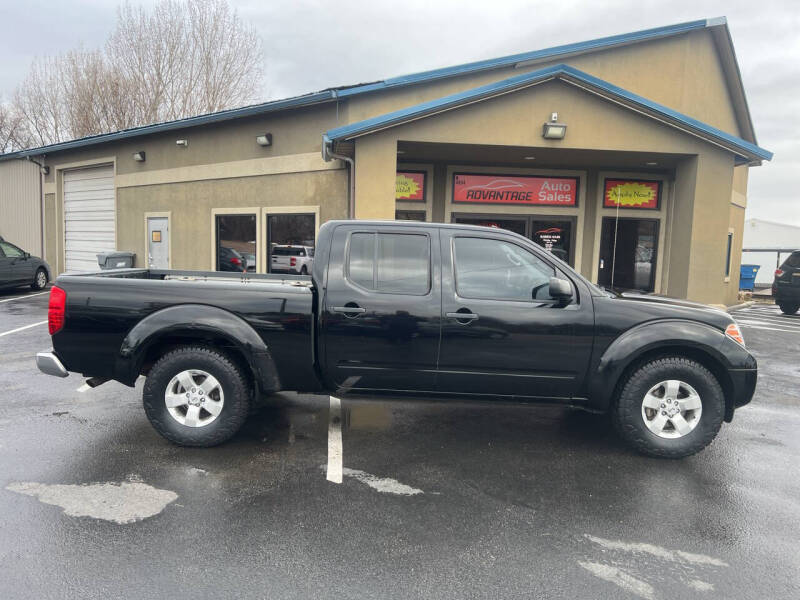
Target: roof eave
743 149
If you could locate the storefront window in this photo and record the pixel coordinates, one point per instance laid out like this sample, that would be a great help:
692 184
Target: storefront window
554 236
290 239
409 215
236 243
515 225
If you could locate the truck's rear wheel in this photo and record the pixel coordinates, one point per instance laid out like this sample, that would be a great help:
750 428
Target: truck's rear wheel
196 396
670 407
788 309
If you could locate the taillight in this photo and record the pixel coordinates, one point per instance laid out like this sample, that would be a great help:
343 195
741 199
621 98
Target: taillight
778 273
236 261
293 261
732 331
56 309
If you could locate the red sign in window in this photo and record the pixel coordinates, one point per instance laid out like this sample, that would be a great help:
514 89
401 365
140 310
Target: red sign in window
515 189
410 186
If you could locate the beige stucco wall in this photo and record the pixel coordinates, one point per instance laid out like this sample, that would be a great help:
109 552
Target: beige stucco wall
682 72
191 204
20 207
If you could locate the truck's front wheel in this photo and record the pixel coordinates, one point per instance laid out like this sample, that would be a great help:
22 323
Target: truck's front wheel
670 407
196 396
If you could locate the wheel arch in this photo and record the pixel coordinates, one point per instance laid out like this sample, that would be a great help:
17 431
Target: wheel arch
186 324
651 341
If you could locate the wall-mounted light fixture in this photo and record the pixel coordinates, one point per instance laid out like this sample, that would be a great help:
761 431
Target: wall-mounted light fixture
45 170
264 139
529 157
553 130
183 143
139 156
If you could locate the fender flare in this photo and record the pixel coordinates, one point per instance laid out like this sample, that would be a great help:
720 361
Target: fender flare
197 320
655 335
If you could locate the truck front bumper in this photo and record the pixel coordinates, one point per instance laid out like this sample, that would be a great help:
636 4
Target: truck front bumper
49 364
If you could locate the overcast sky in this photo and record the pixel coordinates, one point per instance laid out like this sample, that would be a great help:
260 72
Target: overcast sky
313 44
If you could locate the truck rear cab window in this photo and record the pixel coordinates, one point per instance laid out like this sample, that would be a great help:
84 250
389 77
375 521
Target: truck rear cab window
395 263
498 270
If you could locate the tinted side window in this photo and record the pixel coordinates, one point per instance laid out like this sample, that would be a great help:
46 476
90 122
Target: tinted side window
388 262
10 250
495 269
793 261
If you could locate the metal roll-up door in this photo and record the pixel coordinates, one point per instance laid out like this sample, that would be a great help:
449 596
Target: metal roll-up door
89 216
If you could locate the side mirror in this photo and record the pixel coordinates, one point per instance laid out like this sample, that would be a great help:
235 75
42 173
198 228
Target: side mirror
560 289
26 255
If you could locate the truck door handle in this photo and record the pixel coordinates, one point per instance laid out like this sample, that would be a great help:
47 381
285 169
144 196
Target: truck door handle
463 316
350 310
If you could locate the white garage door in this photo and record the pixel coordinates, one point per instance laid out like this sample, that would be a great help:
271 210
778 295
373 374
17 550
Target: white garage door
89 216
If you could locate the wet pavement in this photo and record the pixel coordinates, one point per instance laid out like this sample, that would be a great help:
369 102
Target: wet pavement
439 500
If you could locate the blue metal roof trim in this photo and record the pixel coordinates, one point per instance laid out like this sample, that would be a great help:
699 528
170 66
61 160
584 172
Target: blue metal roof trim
234 113
494 63
561 70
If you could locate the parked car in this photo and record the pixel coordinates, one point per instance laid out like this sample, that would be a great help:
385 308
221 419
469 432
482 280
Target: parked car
404 308
18 268
786 287
292 259
229 259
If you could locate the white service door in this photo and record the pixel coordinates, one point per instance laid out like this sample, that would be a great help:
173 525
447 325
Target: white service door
89 216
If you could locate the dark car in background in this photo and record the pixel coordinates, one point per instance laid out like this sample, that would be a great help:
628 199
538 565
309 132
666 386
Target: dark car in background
18 268
229 259
786 287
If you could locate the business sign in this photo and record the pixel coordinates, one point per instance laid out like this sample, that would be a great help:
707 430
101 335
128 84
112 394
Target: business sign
632 193
410 186
515 189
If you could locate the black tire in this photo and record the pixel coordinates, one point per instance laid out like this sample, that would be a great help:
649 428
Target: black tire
788 309
37 281
304 270
235 386
627 411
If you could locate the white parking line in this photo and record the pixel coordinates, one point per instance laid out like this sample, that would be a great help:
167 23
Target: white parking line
23 297
22 328
335 441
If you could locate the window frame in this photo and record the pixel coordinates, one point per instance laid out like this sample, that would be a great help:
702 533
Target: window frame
729 255
346 262
556 271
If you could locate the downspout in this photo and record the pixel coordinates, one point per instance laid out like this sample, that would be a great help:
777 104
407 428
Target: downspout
327 155
41 202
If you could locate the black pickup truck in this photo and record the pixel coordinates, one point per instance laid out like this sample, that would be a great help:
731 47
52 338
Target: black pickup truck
403 309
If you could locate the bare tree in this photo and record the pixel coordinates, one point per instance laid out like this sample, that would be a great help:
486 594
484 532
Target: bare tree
182 58
12 132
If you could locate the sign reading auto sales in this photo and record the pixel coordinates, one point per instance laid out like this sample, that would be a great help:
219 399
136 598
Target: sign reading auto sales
515 189
631 193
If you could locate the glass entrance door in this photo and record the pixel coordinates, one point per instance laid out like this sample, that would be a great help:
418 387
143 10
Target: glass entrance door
628 250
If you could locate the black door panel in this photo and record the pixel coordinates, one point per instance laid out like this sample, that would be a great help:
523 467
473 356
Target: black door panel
502 334
382 310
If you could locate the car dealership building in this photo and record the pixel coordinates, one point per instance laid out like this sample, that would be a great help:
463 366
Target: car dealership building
625 156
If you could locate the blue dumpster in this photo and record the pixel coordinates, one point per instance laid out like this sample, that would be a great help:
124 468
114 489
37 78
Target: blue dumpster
747 277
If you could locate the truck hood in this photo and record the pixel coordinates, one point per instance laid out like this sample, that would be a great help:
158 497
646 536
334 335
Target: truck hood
661 307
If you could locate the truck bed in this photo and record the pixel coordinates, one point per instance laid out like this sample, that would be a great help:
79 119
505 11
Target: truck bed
102 308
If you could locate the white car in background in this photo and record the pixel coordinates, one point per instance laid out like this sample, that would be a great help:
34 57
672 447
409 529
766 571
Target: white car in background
292 259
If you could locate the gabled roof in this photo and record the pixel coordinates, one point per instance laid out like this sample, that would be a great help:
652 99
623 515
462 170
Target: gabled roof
718 28
747 151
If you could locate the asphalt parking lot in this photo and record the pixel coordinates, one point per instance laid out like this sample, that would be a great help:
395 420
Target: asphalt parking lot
437 501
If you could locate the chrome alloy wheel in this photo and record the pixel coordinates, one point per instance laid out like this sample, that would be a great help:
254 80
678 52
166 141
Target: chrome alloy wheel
194 398
41 279
671 409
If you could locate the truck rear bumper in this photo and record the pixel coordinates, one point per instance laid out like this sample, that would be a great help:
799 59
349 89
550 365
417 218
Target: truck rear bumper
49 364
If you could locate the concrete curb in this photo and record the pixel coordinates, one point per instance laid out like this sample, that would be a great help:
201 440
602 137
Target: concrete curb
738 306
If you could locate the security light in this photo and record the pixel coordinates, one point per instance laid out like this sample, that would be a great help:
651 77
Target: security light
264 140
139 156
529 157
553 130
45 170
183 143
